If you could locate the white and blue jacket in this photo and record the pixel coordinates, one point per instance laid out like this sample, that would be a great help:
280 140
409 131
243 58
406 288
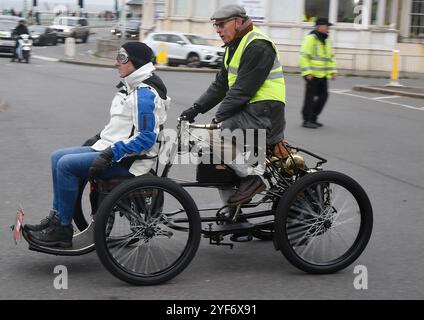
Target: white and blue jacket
136 115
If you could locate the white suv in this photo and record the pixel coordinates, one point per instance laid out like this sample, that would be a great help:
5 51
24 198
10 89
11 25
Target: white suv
75 27
185 48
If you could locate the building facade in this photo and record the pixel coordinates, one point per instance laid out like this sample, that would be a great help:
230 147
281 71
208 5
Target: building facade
364 34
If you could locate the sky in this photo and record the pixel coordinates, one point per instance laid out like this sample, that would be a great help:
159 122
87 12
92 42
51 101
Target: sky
89 5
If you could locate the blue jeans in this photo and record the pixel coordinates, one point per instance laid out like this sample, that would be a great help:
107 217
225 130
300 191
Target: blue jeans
68 166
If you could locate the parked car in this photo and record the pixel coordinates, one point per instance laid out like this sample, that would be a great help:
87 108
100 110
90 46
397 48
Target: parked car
43 35
132 29
186 48
75 27
7 43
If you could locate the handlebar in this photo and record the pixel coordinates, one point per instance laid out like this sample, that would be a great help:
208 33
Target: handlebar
209 126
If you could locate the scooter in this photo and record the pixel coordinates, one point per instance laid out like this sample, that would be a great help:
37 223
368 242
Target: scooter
23 51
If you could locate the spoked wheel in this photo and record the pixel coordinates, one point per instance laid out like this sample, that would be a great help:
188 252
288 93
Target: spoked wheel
135 233
323 222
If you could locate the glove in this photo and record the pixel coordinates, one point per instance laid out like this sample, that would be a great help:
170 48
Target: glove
101 163
191 113
214 121
91 141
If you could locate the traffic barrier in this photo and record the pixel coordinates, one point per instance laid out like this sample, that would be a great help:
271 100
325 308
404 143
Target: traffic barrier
70 47
162 54
394 76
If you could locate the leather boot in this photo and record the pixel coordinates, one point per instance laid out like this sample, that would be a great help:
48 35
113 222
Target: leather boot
53 236
248 188
51 219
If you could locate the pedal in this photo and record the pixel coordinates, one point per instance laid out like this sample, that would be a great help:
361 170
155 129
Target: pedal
214 229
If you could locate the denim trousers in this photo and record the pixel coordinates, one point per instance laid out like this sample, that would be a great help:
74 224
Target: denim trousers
69 165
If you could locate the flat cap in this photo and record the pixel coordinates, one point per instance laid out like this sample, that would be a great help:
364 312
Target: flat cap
323 22
228 11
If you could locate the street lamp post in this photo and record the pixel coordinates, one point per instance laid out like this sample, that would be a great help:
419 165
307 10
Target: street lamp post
25 10
147 18
123 20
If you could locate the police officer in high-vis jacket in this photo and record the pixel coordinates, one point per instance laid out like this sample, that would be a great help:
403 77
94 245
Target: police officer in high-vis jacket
250 87
317 64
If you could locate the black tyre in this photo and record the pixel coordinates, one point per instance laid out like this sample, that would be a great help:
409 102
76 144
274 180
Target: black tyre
141 241
323 222
26 56
193 60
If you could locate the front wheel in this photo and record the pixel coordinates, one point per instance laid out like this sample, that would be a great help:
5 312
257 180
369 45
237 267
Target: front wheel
147 230
323 222
26 56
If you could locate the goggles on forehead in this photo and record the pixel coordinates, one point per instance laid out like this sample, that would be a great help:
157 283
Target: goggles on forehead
122 57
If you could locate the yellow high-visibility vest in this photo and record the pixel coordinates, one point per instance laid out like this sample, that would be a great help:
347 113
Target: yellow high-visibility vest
274 87
317 58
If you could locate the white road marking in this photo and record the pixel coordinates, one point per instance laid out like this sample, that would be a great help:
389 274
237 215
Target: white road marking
386 97
45 58
345 92
339 90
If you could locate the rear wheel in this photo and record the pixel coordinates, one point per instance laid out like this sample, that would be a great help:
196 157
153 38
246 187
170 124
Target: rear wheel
147 230
323 222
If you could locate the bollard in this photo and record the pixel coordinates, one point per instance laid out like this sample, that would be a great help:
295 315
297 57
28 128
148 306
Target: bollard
394 77
70 48
162 55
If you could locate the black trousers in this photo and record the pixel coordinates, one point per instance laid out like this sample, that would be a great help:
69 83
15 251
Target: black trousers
316 94
14 50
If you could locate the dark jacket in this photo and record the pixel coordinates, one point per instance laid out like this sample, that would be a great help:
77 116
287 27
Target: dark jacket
235 111
20 29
